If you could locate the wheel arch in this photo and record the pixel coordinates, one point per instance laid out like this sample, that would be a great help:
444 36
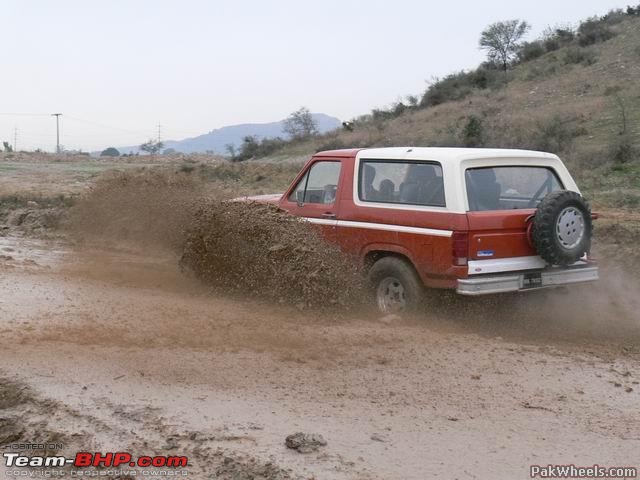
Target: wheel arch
373 253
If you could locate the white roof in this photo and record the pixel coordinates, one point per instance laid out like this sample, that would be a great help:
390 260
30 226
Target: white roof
448 154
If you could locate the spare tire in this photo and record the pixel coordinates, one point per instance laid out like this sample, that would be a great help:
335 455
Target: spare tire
562 227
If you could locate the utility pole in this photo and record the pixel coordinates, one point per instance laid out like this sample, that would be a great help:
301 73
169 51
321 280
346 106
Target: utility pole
57 115
159 135
15 139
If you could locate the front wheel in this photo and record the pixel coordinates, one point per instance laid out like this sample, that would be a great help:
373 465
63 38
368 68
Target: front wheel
395 285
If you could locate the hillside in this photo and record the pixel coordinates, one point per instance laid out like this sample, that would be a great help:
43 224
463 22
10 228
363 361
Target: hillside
216 140
582 102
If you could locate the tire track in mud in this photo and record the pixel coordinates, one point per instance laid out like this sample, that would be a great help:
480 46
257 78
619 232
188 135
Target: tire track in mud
28 418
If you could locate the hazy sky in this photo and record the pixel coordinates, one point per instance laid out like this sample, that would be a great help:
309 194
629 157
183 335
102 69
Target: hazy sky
117 68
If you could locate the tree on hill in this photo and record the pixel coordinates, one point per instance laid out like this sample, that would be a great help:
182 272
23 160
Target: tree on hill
152 147
501 40
110 152
300 124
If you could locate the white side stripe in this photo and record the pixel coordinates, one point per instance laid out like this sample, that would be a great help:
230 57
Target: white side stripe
320 221
381 226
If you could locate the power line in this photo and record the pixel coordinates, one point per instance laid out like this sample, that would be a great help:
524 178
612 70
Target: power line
25 114
110 127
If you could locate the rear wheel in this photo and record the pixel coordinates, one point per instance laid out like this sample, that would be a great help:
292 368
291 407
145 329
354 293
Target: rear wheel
395 284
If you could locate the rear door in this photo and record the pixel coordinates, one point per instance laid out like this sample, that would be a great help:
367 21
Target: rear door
502 201
315 195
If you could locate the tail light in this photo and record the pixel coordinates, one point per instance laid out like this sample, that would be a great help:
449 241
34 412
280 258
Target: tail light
460 243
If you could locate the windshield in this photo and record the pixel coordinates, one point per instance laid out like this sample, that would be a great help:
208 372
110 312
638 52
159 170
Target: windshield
506 188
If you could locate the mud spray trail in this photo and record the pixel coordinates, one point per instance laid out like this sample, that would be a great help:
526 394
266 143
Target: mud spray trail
109 345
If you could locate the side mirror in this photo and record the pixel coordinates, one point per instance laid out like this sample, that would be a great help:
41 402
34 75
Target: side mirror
300 198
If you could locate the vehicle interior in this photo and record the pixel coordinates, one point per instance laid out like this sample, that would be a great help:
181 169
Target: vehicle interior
402 182
509 187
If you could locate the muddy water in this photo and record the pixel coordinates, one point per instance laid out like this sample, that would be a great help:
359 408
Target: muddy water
21 251
132 345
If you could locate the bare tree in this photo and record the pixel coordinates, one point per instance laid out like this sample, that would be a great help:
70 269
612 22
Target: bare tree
152 147
501 40
300 124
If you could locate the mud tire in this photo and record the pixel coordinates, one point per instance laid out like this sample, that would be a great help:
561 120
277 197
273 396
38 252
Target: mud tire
396 275
554 243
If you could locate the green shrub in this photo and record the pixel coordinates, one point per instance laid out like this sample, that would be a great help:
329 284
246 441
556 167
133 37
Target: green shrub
461 84
531 50
110 152
253 148
575 55
455 86
622 150
334 144
472 134
554 38
555 134
593 30
613 17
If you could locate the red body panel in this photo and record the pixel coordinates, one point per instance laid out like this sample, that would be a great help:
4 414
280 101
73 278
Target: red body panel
503 232
431 255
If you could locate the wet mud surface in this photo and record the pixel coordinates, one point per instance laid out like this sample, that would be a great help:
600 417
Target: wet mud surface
116 348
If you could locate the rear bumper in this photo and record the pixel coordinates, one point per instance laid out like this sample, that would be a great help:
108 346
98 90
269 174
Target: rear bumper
512 282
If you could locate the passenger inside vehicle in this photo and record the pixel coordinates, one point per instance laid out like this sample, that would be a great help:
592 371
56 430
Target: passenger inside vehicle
369 192
485 191
422 186
387 191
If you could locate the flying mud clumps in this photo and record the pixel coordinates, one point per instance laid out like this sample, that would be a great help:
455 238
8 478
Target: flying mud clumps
259 250
144 208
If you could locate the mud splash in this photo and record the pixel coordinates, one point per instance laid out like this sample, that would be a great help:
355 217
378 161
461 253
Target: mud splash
261 251
141 209
241 247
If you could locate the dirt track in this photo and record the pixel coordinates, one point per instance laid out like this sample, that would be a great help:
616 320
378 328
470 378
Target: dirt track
140 357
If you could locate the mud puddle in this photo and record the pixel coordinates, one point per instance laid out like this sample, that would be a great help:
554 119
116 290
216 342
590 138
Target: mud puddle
17 251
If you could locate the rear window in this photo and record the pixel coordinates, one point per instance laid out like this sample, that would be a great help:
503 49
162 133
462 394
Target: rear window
506 188
401 182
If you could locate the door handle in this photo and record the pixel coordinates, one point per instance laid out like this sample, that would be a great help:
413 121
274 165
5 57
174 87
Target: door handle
329 215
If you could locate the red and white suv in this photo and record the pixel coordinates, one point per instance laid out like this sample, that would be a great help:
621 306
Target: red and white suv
478 221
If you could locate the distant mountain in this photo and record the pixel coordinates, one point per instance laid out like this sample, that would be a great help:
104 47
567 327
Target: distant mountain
215 140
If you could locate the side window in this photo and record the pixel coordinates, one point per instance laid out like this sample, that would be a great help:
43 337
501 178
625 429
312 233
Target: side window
318 185
396 181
